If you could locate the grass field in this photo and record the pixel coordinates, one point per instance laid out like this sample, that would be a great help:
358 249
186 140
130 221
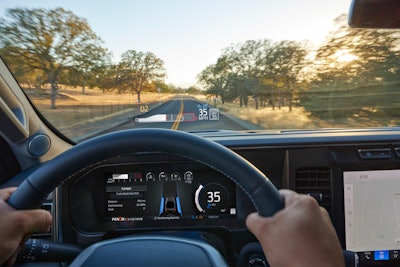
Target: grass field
300 118
78 113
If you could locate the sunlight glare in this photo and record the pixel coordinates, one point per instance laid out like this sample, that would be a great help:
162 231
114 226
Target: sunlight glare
344 56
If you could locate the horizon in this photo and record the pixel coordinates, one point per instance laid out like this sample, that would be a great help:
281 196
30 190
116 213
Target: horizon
188 37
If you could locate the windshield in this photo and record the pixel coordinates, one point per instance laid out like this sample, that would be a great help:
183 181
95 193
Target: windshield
93 67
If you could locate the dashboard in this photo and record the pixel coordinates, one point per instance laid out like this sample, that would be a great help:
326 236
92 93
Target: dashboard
354 177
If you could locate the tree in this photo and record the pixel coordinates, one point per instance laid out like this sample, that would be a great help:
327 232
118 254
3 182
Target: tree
50 41
353 62
256 69
136 69
214 79
90 64
287 63
245 68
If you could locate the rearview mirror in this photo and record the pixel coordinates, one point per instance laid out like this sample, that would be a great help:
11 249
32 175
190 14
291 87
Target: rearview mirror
384 14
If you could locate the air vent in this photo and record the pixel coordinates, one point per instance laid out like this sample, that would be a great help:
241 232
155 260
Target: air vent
316 182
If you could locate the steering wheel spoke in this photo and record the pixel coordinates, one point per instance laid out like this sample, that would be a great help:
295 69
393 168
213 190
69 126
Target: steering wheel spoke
255 184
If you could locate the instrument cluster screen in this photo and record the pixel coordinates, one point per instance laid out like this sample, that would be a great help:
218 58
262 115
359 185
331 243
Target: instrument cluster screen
159 194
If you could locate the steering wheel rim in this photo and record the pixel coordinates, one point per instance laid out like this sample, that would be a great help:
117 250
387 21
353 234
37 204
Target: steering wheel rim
42 181
81 157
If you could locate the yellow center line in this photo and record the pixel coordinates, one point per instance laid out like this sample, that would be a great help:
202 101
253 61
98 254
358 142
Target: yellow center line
178 117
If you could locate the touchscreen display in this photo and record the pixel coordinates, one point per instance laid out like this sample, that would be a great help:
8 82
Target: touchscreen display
160 195
372 213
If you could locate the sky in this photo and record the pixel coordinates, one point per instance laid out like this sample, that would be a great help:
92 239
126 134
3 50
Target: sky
189 35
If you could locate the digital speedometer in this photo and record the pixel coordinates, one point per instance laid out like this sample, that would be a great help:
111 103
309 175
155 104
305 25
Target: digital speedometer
211 198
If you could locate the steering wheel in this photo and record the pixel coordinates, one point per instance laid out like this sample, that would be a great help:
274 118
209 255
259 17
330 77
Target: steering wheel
150 250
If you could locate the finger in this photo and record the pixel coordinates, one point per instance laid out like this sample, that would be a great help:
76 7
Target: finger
6 193
289 196
251 220
327 219
33 220
254 223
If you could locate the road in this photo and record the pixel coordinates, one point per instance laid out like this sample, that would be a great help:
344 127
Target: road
186 114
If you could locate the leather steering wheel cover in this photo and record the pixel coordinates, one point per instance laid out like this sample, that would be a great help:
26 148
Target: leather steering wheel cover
261 191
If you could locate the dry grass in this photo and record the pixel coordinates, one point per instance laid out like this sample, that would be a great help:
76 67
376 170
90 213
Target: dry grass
299 118
269 118
77 113
272 119
75 110
74 97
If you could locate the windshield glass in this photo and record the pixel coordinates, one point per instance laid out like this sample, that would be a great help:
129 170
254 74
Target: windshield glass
92 67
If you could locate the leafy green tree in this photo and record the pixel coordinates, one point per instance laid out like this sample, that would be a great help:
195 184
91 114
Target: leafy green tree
136 69
213 80
256 69
193 90
286 62
91 64
50 41
162 87
244 63
105 78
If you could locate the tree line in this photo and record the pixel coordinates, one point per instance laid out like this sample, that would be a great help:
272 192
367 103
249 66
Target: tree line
278 73
261 69
57 47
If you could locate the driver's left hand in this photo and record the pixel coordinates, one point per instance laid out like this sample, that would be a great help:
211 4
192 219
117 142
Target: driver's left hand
17 226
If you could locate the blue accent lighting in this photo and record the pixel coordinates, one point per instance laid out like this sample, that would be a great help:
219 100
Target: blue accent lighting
381 255
162 205
178 205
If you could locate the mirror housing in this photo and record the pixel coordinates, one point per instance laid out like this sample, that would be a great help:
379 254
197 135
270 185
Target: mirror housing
378 14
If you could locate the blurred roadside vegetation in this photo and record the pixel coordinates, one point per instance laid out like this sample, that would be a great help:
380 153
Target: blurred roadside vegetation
354 74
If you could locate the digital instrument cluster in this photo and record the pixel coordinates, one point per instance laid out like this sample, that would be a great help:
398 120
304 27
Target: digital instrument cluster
156 193
127 194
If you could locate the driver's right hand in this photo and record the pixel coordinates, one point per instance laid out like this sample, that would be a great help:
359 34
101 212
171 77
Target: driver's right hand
301 234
